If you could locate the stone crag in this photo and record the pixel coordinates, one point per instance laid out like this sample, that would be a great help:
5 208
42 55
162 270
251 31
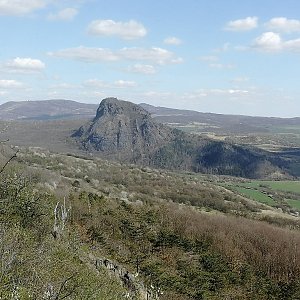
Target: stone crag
126 132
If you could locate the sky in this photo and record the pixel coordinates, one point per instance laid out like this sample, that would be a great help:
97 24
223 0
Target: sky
220 56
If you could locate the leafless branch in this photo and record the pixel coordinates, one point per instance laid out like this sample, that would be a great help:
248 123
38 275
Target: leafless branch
62 286
10 159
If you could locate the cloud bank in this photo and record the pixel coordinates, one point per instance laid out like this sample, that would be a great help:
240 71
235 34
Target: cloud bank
125 30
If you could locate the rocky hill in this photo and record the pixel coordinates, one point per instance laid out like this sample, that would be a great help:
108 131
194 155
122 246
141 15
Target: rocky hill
124 131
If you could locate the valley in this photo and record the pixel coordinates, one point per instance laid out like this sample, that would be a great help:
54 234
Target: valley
149 150
55 136
139 231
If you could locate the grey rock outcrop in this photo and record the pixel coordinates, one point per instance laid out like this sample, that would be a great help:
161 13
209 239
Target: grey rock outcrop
123 129
126 132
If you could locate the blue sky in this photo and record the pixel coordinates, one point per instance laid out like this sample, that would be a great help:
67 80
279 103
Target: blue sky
222 56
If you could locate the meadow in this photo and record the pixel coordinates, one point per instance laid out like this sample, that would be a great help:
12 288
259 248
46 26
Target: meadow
283 194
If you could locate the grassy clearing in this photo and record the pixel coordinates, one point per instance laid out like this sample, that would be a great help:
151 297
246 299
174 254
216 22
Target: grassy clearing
278 190
284 186
251 184
294 203
256 195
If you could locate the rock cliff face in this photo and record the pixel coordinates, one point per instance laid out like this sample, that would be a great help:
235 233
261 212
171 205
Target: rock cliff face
123 129
126 132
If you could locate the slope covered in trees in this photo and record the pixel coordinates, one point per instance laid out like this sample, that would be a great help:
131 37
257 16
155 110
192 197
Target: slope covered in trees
182 242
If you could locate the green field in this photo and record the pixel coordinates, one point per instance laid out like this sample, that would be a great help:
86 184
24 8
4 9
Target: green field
284 186
294 203
256 195
281 192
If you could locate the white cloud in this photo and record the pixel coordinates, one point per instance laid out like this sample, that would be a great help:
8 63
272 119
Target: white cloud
157 95
213 62
222 66
215 92
126 30
223 48
154 55
198 94
173 41
24 65
20 7
209 58
124 84
268 41
66 14
201 99
100 84
284 25
86 54
238 80
292 45
10 84
95 83
237 92
272 42
246 24
64 86
142 69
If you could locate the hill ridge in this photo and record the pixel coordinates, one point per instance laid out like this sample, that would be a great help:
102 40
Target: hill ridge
124 131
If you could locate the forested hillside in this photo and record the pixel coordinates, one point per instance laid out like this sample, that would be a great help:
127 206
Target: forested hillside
73 228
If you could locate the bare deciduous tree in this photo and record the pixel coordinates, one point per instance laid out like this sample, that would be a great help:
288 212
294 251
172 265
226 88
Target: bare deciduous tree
60 218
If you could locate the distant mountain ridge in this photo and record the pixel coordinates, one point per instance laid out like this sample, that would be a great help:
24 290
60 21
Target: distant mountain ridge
226 122
46 110
125 131
67 109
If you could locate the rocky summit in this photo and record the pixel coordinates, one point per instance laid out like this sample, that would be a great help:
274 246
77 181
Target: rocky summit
123 129
126 132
